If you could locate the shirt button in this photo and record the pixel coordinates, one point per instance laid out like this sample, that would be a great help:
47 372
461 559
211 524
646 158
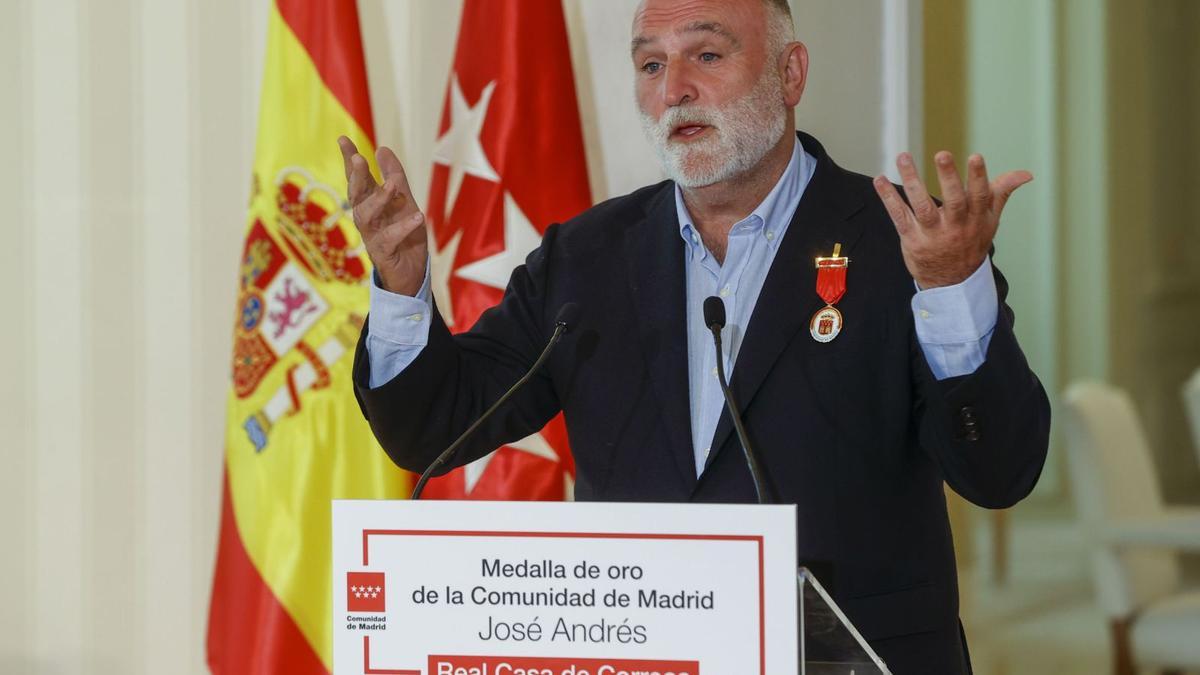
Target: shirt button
925 314
706 452
715 374
415 317
695 239
770 235
725 292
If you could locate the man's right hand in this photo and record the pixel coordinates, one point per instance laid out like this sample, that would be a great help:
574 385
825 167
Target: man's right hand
387 218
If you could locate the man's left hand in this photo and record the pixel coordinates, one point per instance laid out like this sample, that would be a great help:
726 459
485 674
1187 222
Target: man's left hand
944 245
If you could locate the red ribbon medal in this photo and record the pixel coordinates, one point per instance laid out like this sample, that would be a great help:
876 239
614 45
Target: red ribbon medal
826 324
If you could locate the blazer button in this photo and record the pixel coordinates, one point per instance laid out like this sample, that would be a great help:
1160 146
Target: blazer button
968 424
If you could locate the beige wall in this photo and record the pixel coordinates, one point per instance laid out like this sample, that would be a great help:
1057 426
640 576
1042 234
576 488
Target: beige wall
1154 265
131 126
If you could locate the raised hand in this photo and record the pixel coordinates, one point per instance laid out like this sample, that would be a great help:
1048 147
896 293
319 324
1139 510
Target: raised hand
387 217
944 245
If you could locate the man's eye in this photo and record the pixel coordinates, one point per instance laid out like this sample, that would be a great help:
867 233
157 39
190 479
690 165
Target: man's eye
651 68
709 57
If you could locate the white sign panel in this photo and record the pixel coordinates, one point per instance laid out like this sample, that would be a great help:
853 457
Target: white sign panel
510 588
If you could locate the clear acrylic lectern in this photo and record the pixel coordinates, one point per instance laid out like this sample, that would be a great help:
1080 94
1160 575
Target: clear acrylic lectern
829 643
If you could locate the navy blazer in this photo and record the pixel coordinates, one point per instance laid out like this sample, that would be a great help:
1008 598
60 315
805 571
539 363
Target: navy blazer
857 432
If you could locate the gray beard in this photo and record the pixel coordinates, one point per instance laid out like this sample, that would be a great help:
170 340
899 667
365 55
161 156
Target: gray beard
745 131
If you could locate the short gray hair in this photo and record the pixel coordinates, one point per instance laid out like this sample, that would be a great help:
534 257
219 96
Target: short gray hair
780 5
780 29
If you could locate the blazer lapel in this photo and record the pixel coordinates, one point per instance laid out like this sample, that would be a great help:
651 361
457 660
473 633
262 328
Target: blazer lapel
654 252
822 219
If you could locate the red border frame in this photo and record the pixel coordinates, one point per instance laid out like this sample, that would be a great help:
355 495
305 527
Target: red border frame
762 618
380 671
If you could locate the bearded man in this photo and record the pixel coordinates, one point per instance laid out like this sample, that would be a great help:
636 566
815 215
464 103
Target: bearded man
860 415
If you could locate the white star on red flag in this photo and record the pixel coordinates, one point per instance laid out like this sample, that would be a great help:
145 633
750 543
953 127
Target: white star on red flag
460 147
441 267
520 238
534 445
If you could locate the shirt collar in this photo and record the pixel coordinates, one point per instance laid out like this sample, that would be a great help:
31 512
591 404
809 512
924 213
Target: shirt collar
771 217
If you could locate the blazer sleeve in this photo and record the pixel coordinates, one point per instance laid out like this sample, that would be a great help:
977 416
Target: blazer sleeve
418 413
989 431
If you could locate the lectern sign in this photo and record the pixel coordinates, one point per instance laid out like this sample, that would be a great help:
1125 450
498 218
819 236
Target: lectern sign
504 588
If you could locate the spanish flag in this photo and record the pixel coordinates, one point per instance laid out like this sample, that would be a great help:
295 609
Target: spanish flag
295 438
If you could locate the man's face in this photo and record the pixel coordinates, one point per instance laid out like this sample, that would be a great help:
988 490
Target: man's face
709 94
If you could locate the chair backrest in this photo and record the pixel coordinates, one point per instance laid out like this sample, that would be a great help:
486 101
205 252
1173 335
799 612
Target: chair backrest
1191 401
1114 479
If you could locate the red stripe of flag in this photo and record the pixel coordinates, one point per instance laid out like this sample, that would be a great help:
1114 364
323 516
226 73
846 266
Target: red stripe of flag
248 630
328 29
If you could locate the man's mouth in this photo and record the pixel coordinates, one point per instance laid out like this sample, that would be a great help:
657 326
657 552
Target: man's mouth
688 131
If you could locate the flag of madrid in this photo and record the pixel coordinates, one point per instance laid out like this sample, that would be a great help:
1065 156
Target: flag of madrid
365 592
508 162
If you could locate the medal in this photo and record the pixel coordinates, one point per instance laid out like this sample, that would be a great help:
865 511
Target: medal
826 324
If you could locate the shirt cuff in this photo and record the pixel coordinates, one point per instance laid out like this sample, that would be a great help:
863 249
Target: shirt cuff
958 314
400 319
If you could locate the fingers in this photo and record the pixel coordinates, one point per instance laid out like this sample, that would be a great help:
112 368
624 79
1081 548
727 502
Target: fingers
390 166
896 208
954 197
923 208
979 191
348 150
393 171
359 181
362 184
398 231
1005 185
382 207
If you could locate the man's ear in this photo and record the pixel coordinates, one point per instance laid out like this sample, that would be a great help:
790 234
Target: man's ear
794 65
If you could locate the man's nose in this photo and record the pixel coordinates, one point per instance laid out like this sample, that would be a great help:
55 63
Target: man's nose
678 85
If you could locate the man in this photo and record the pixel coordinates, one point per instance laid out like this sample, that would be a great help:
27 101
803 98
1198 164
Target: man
859 415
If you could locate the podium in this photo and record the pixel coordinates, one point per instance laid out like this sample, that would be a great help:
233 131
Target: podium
520 588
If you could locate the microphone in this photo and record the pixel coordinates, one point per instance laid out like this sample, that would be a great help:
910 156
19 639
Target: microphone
562 322
714 314
714 318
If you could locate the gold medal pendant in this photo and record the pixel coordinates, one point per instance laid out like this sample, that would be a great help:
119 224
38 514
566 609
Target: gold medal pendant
826 324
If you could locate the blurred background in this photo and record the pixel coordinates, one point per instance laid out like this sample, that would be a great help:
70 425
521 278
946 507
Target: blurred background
127 173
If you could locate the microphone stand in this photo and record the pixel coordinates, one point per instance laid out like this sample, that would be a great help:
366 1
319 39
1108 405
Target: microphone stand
714 317
560 327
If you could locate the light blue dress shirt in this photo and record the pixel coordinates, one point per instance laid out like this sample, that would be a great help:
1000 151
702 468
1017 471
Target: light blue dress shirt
954 324
753 242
